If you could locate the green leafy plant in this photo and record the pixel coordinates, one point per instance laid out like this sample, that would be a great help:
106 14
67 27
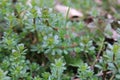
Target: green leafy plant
39 43
3 75
57 69
85 73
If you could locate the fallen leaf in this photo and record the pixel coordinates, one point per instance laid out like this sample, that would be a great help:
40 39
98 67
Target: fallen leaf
98 1
28 3
118 1
115 35
69 12
75 78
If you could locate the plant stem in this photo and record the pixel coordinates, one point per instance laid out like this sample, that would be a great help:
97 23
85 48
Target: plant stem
98 55
36 33
112 77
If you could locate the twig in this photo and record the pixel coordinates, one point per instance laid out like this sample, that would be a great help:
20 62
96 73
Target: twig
101 73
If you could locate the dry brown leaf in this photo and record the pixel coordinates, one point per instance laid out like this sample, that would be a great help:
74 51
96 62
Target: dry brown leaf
118 1
74 78
115 35
28 2
69 12
98 1
109 16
